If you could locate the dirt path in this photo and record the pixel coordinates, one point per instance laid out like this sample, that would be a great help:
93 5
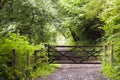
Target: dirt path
76 72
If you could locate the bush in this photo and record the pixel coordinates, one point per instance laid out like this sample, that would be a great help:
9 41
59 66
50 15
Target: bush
22 46
110 15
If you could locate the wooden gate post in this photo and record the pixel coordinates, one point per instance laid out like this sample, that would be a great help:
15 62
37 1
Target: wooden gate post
13 58
104 52
27 59
47 46
111 53
48 51
35 59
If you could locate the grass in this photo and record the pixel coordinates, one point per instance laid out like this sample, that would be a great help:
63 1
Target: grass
45 69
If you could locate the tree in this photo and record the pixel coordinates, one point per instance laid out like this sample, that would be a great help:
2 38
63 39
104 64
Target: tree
31 17
80 19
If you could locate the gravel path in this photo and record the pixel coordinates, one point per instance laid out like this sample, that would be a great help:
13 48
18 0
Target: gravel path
76 72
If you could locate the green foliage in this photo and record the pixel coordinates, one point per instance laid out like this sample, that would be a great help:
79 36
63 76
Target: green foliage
22 47
29 17
80 20
12 41
92 23
44 69
110 15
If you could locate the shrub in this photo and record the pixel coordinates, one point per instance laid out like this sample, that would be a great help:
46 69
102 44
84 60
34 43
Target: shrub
22 47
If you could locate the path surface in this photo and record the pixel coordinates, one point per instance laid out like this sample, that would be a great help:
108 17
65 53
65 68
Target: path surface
76 72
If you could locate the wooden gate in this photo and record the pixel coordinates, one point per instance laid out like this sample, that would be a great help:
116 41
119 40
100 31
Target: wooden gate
74 54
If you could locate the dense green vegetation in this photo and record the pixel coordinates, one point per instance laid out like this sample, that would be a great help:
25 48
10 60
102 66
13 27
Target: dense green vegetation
81 20
110 15
31 18
93 22
24 24
21 71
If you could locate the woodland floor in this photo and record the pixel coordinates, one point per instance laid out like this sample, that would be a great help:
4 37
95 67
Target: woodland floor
76 72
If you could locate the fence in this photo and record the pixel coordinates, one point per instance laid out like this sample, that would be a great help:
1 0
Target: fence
35 57
14 58
27 59
107 50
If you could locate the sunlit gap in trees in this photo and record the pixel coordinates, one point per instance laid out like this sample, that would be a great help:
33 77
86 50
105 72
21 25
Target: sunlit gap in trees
61 40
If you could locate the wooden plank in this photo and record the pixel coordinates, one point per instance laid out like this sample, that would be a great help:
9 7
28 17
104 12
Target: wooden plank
75 46
64 55
71 62
104 53
13 58
34 60
111 53
91 53
49 51
73 51
27 59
